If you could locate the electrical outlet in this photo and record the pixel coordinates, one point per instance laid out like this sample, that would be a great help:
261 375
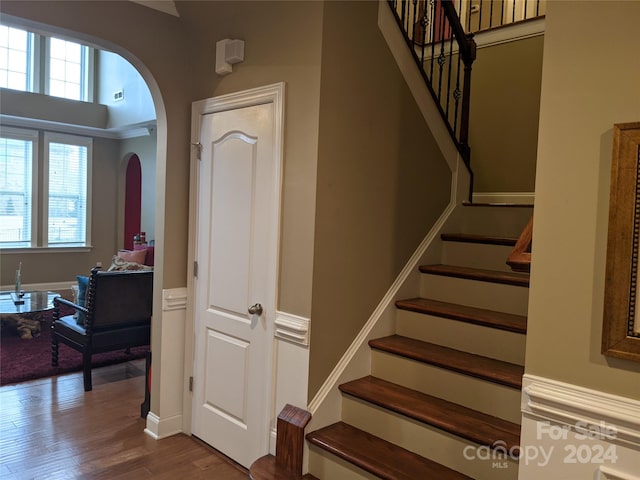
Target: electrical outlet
99 264
118 96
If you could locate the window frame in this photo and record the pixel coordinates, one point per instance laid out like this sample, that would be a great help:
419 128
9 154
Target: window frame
34 137
86 70
40 190
64 138
38 64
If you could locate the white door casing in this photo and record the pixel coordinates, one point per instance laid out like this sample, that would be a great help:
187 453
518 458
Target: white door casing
238 211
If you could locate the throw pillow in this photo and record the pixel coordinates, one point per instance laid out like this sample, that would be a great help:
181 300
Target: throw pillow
119 265
135 256
83 284
150 253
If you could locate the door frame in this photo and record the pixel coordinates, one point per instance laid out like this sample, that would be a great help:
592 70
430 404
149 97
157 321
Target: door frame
247 98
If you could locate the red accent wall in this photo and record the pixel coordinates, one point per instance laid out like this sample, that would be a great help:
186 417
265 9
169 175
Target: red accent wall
132 201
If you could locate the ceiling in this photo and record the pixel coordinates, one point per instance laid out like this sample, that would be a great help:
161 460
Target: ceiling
165 6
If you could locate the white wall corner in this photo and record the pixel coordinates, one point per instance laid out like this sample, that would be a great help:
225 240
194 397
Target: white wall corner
273 435
291 366
158 428
169 413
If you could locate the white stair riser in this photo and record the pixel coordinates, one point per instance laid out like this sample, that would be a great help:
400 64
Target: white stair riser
495 221
478 339
476 255
430 442
492 296
325 465
482 395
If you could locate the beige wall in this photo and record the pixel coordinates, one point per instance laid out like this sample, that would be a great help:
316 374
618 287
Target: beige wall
505 103
588 85
382 181
282 43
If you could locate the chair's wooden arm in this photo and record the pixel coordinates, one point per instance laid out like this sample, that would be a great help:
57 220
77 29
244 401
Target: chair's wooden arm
59 300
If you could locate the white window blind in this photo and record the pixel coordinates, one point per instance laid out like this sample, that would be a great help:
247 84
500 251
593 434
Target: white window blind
68 169
16 194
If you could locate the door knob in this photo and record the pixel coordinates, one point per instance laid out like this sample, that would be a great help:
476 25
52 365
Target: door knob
255 309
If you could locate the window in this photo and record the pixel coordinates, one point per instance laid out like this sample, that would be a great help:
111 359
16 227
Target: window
67 168
67 71
61 218
16 58
17 174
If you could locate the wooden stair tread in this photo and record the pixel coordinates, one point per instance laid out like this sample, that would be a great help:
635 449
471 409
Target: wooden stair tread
482 239
478 316
377 456
266 468
490 369
456 419
508 278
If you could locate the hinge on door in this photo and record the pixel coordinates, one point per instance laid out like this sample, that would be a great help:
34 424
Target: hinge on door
191 384
195 269
198 146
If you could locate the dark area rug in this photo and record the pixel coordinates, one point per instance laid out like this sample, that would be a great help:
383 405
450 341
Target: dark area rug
22 360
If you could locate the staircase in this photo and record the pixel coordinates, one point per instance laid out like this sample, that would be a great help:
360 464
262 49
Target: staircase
443 398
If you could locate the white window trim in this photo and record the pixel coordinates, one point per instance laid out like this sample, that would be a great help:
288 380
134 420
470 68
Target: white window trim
33 137
38 63
50 137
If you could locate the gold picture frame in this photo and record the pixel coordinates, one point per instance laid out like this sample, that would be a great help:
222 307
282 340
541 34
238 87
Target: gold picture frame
621 322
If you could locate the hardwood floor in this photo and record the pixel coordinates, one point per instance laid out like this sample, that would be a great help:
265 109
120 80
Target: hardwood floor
52 429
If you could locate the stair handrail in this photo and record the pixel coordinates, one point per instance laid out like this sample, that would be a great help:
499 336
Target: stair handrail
520 257
431 28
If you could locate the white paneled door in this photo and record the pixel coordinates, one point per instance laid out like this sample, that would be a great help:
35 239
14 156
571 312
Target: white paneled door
235 289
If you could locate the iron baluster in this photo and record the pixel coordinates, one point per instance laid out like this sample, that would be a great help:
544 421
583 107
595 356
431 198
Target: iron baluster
491 15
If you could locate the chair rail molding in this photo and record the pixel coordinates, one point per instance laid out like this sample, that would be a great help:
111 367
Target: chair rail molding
570 431
292 328
174 299
570 404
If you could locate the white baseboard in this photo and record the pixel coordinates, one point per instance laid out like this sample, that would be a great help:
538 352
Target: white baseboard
158 428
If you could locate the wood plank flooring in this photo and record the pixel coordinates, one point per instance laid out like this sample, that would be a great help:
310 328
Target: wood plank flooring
51 428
